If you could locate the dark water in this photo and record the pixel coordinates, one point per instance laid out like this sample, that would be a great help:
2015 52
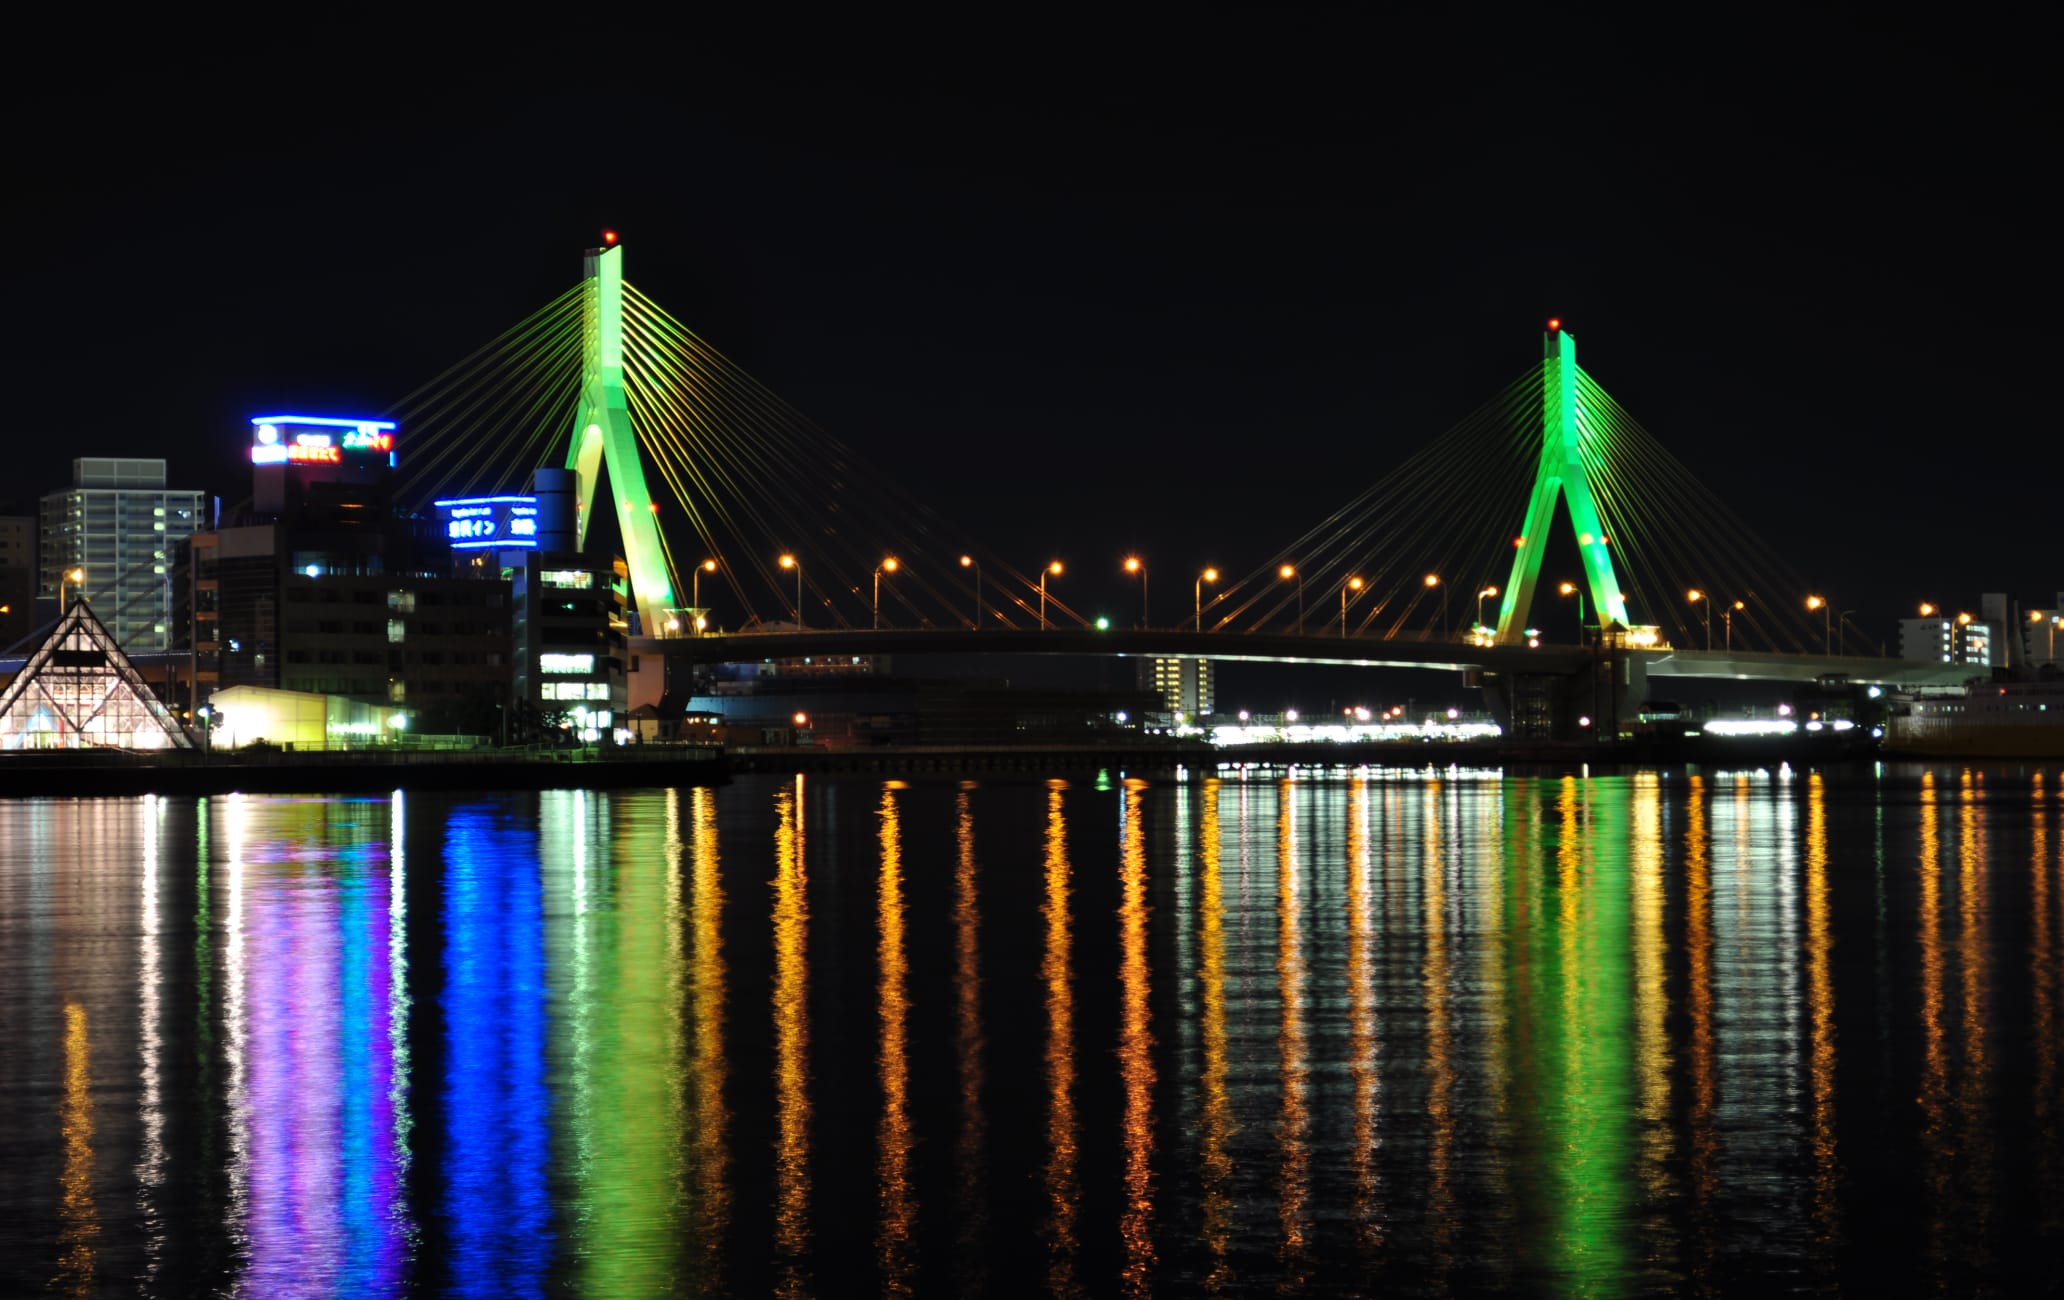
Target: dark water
1395 1033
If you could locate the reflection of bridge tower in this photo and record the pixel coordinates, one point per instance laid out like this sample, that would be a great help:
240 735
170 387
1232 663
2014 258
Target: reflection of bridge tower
1564 428
602 434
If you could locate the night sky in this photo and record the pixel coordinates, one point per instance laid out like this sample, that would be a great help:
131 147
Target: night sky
1181 287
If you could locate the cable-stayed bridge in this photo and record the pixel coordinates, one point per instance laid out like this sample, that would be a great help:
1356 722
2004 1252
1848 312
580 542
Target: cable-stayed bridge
725 495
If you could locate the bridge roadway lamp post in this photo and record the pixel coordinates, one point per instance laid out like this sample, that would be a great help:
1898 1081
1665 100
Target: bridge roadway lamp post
1433 580
1705 602
1054 568
1727 619
888 565
1481 597
1134 564
970 562
1197 595
1572 589
1286 573
1827 631
791 562
695 587
1352 584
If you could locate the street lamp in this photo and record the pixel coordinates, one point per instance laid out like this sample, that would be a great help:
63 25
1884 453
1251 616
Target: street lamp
1827 631
1209 575
1572 589
695 583
1054 568
888 565
791 562
1727 618
970 562
1480 598
1134 564
1352 584
1433 580
1697 597
74 576
1286 573
1927 610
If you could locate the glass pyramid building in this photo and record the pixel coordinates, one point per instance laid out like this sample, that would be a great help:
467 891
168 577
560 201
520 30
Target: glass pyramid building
79 691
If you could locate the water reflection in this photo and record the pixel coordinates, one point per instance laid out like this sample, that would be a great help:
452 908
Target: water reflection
1216 1130
967 981
709 1119
1293 1127
1385 1032
496 1103
1061 1191
1135 1047
78 1217
791 1045
892 1173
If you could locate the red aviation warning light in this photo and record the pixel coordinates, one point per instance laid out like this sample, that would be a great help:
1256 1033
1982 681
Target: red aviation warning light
608 238
1554 324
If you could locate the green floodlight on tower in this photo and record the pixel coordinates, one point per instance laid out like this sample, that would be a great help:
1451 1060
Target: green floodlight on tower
602 434
1561 475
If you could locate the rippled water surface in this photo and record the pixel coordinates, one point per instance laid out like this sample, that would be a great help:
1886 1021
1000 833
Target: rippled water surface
1397 1032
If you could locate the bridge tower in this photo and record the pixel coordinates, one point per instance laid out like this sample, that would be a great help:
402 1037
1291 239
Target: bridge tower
1561 475
602 434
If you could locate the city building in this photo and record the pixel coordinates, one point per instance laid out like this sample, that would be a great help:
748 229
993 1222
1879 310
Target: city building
79 691
1186 684
17 577
118 525
319 586
570 632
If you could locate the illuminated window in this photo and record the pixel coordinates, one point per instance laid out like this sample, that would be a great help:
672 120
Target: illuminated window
578 578
566 665
397 631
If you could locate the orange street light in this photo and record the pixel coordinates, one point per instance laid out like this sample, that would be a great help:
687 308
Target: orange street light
970 562
1286 573
888 565
1698 597
791 562
1352 584
1134 564
1433 580
1572 589
1827 633
1209 575
1481 596
73 576
1053 567
695 583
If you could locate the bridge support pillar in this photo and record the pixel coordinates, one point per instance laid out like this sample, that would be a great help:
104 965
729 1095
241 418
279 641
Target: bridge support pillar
603 435
1599 702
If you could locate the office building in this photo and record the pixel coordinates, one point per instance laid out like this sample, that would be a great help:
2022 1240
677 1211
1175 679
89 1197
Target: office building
1187 685
118 525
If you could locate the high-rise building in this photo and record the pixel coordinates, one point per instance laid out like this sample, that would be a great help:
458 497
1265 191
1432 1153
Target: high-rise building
117 525
1941 638
1186 684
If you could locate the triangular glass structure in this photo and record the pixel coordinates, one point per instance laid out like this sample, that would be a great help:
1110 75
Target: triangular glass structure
79 691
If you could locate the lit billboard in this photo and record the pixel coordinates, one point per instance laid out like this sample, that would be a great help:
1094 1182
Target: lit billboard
321 440
481 523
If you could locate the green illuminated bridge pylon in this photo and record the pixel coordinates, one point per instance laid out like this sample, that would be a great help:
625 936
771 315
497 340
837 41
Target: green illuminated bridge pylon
1565 428
603 435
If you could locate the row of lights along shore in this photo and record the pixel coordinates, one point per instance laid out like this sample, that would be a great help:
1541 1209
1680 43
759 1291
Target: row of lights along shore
1832 623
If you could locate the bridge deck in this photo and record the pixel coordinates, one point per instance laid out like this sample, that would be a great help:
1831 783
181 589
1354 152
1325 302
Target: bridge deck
1367 652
